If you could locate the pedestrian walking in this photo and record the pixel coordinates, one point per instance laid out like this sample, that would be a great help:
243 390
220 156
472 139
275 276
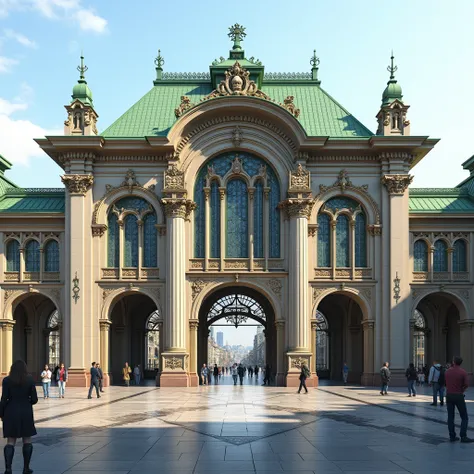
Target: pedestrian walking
456 384
126 371
436 379
241 372
267 376
235 373
385 378
256 371
61 378
94 381
16 410
137 375
101 376
421 378
204 371
304 374
412 377
216 374
345 373
46 381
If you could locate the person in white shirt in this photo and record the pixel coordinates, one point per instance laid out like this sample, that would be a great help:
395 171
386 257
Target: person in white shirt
46 381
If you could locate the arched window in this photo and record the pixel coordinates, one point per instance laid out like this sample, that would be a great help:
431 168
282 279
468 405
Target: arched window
322 342
440 258
54 339
342 241
324 241
152 341
32 256
51 256
420 254
149 241
459 256
113 250
238 207
13 256
419 340
237 219
360 241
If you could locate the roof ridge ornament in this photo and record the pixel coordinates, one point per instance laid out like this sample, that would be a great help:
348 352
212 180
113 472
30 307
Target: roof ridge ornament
82 68
314 61
159 62
392 69
237 34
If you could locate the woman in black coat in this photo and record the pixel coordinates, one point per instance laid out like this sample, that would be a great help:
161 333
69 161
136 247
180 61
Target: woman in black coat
18 397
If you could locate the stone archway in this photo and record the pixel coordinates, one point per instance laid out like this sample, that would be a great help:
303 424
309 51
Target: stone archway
237 304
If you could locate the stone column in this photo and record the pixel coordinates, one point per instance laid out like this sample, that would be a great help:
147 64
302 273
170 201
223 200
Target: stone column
412 337
104 349
7 345
193 356
368 377
175 357
77 224
281 349
466 328
314 375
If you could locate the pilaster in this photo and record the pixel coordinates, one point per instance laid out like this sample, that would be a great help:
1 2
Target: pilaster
6 326
281 349
368 376
104 325
193 357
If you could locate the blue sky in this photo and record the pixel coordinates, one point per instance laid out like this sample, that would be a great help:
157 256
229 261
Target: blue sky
41 40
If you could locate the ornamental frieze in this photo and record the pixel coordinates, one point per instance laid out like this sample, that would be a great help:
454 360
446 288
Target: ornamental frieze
298 362
396 184
77 183
173 363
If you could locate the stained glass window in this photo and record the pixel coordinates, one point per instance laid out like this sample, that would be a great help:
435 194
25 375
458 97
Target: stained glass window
237 219
51 256
258 221
342 241
32 256
215 220
360 241
112 241
13 256
130 241
132 204
149 241
420 254
324 241
339 202
459 256
440 258
274 200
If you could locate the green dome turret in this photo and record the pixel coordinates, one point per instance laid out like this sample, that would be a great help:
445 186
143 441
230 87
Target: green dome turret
81 90
393 90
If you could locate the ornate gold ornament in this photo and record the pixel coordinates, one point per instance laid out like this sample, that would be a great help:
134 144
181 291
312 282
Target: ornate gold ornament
77 183
299 362
396 184
184 106
289 105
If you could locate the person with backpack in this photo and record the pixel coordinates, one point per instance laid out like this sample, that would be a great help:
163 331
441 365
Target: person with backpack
305 373
412 377
437 381
385 378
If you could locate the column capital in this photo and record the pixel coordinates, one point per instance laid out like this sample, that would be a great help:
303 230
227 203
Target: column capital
193 325
314 325
396 184
299 207
368 324
466 324
78 183
374 229
7 324
105 324
279 325
178 207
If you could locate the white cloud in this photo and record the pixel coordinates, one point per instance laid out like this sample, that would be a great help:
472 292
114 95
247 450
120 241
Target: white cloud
22 39
88 20
7 107
6 64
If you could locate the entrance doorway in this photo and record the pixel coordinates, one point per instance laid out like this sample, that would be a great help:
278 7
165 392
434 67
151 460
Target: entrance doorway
339 338
135 336
245 320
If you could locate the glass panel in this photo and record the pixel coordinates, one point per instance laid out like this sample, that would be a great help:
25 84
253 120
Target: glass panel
199 214
420 254
215 221
440 263
322 342
360 241
152 343
51 256
459 256
32 256
130 241
324 241
112 241
131 203
237 219
274 213
13 256
149 241
339 203
342 241
258 221
54 340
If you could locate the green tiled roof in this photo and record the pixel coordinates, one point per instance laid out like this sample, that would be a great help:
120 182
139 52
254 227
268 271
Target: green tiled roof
154 114
440 201
20 200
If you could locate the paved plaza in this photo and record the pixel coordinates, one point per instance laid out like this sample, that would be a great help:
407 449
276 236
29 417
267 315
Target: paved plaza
248 429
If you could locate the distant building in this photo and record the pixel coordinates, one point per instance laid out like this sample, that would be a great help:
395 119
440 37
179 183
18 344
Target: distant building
220 339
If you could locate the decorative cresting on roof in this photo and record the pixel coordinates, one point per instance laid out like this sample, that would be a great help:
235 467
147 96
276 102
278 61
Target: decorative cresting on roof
396 184
186 76
343 184
77 183
287 76
15 191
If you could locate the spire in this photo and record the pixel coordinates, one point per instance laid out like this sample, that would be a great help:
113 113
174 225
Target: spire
314 61
81 90
393 91
159 62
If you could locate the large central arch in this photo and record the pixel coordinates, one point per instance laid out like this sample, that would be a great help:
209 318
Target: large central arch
236 305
